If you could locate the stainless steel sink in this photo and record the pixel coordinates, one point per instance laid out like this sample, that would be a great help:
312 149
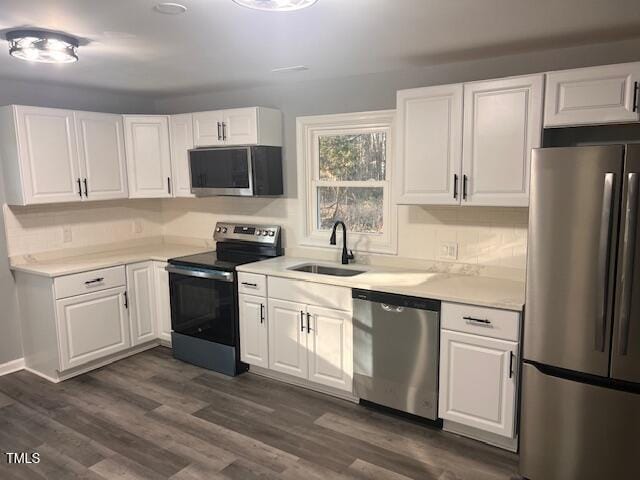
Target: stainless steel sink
326 270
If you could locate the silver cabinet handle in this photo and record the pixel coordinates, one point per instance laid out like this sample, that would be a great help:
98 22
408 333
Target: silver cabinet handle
301 321
465 179
219 131
80 188
261 313
208 274
95 281
248 284
455 186
126 300
86 188
308 322
224 131
603 261
169 185
390 308
628 260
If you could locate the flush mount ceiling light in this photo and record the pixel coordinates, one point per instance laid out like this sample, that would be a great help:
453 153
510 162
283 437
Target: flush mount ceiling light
168 8
276 5
42 46
294 68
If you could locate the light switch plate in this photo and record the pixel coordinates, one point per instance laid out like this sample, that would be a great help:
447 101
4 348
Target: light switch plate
448 251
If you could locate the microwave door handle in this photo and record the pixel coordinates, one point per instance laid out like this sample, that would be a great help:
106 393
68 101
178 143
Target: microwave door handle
603 261
628 260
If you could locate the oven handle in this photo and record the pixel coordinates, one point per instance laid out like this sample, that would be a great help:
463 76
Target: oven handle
210 274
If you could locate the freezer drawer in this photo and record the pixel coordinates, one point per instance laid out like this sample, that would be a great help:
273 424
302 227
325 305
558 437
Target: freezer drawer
576 431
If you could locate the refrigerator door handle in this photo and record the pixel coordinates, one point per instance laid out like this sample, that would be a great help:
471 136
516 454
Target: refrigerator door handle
628 259
603 261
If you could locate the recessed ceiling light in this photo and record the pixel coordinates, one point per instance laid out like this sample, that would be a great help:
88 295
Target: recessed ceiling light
168 8
294 68
276 5
42 46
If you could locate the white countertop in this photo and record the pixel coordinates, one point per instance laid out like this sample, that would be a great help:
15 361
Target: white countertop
81 263
469 289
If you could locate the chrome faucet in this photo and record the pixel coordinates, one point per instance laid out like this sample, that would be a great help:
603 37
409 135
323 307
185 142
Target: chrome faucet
346 254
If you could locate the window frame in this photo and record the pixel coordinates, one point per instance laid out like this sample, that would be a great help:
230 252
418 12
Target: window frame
309 129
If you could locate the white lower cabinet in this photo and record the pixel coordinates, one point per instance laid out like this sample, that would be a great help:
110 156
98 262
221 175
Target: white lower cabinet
478 381
92 326
330 345
289 333
288 338
254 341
142 302
163 301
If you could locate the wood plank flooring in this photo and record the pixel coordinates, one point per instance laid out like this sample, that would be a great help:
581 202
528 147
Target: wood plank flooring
153 417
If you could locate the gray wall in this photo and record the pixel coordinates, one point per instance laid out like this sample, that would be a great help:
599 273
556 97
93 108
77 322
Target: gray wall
377 91
19 92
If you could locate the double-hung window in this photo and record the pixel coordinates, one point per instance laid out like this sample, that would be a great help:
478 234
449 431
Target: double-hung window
345 164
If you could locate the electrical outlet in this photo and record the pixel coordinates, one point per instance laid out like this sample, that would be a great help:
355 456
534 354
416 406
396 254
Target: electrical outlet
67 237
137 226
448 251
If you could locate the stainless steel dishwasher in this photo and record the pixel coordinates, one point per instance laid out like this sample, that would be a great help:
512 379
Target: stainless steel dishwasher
396 351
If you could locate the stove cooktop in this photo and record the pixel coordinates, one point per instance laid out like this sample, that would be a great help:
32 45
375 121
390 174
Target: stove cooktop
211 260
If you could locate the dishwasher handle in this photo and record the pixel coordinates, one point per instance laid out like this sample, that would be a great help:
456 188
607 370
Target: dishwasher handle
391 308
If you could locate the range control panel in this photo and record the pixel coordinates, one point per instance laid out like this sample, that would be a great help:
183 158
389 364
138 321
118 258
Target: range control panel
264 234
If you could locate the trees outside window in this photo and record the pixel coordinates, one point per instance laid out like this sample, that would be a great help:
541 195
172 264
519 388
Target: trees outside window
345 160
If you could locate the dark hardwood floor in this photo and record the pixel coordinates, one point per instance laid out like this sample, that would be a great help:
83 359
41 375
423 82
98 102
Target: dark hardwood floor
151 416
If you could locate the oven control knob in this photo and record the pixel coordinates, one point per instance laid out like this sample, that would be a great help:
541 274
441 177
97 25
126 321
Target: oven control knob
218 229
272 233
258 232
265 233
224 229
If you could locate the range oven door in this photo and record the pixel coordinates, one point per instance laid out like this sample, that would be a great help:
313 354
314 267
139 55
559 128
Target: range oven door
203 304
221 171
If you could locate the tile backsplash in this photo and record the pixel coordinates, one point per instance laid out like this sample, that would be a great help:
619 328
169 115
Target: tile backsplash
484 237
37 229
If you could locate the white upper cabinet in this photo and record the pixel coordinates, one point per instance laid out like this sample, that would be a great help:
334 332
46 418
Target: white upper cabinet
502 123
39 155
429 136
148 156
238 126
181 128
103 167
595 95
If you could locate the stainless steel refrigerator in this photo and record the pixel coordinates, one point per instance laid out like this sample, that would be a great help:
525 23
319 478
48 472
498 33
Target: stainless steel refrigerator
580 404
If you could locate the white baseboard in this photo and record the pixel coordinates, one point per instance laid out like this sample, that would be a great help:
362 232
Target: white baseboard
499 441
12 366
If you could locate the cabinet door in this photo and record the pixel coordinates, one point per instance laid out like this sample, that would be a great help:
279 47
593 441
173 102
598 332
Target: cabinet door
207 128
142 302
148 156
101 153
429 145
163 302
594 95
502 123
254 340
477 386
48 153
92 326
181 127
240 126
330 346
288 338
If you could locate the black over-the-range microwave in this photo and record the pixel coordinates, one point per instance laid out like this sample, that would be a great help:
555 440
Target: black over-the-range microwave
236 171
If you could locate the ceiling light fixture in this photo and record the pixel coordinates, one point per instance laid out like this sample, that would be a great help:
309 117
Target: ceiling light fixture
276 5
168 8
42 46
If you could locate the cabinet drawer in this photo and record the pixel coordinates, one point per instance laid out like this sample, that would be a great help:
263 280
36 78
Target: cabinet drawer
310 293
488 322
87 282
252 284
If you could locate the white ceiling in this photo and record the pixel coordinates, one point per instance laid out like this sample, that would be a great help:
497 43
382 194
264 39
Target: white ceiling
218 44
